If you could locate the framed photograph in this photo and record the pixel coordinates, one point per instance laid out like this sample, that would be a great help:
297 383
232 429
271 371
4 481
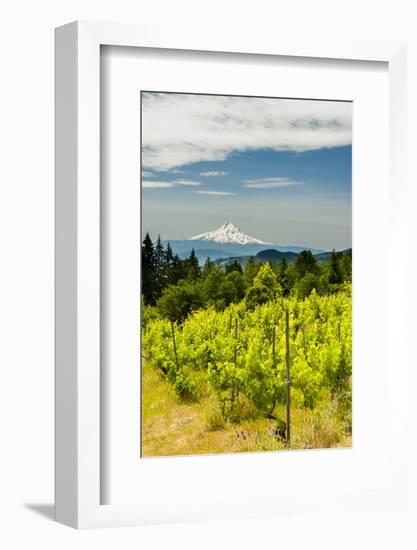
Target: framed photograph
244 338
229 333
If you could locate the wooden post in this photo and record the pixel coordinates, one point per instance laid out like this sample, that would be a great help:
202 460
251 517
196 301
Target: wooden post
234 390
287 365
338 330
273 346
175 345
236 327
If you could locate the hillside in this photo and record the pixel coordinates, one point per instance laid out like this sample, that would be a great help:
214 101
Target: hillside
274 256
174 427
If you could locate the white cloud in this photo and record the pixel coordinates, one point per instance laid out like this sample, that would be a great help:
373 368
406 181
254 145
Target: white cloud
151 184
213 173
146 174
218 193
269 183
157 184
187 182
179 129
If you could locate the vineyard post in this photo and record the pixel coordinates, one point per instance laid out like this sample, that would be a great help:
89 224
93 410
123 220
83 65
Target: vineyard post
234 390
287 365
236 327
338 330
273 346
175 345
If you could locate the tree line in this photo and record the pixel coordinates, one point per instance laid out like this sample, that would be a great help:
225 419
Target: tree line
178 286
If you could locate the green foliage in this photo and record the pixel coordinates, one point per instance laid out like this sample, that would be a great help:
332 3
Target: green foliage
178 301
222 332
251 270
193 269
305 285
234 266
305 263
264 289
149 313
185 387
283 277
162 269
231 350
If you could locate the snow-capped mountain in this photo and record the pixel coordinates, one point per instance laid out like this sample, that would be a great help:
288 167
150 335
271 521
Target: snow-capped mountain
227 234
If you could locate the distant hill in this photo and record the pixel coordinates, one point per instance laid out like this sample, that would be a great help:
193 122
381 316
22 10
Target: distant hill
210 249
268 255
324 256
273 255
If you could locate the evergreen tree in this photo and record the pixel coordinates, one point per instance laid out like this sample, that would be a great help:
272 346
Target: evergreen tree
169 255
168 267
346 265
148 271
305 263
234 266
208 268
283 276
239 285
251 270
213 278
335 271
160 257
179 270
193 267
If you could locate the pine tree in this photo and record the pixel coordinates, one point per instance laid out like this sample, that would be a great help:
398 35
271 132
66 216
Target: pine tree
169 264
251 270
148 271
335 272
283 277
305 263
234 266
193 267
160 282
207 268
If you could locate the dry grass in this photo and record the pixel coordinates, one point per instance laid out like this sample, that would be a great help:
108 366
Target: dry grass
171 427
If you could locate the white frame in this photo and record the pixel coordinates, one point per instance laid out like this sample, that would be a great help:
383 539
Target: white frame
77 393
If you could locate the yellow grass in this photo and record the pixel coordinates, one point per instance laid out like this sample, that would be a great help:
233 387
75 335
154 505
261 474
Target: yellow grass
171 427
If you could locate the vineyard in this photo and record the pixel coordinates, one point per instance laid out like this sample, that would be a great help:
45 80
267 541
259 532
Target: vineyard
276 365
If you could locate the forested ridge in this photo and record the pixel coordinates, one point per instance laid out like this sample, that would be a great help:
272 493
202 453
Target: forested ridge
211 285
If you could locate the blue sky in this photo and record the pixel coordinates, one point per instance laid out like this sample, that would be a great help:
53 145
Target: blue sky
278 169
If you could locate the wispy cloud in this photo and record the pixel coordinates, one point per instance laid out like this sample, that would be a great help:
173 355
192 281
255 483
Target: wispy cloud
270 183
153 184
213 173
179 129
146 174
187 182
157 184
218 193
177 171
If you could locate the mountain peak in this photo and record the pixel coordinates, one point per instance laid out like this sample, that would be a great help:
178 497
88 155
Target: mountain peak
227 233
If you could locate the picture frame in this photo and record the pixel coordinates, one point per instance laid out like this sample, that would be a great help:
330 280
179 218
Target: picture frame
78 383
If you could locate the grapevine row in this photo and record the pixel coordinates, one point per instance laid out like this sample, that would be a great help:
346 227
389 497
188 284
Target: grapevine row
241 353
